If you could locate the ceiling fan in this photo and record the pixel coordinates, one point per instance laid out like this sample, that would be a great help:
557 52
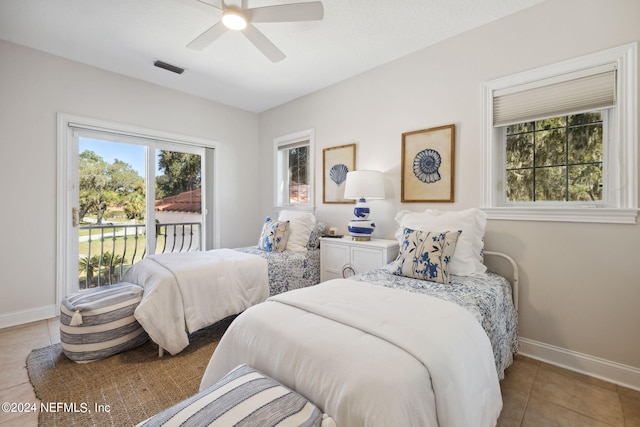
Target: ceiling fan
242 20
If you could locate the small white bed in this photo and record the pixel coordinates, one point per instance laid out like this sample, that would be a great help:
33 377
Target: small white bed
187 291
383 349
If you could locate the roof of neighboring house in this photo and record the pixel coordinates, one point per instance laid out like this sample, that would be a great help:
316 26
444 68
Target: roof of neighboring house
188 201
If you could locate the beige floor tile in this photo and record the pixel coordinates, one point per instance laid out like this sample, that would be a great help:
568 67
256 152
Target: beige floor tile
630 400
542 413
514 404
54 330
38 331
13 376
526 359
520 376
593 401
629 392
20 394
39 324
17 354
578 376
24 420
17 343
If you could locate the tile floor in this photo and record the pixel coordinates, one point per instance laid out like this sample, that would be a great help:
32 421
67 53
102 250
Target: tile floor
535 394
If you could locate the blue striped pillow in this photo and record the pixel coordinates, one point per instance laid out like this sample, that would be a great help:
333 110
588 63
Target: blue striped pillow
243 397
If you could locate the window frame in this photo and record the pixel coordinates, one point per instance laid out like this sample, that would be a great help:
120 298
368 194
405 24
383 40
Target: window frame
280 168
620 196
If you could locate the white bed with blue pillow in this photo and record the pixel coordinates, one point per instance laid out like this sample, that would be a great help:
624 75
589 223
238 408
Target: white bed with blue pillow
423 341
187 291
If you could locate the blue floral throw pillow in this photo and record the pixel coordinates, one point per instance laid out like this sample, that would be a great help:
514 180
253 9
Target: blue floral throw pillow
274 235
316 233
426 255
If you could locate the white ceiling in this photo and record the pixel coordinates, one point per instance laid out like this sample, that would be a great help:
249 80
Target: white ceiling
127 36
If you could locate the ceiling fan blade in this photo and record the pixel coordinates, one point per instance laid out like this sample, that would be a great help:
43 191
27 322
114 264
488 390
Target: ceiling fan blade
208 37
218 4
312 11
263 44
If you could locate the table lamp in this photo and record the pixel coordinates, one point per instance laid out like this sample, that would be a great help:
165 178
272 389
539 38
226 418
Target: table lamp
362 185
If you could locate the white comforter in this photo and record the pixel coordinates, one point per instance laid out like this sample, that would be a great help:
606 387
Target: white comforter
369 355
184 292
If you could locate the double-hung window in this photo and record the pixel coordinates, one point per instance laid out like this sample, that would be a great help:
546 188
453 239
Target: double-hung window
294 170
560 142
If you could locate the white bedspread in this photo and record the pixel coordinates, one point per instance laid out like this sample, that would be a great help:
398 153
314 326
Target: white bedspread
369 355
185 292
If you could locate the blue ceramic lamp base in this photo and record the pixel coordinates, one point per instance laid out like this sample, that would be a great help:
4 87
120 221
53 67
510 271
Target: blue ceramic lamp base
361 228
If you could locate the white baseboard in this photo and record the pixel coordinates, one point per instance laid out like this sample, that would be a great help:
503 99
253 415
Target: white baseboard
28 316
624 375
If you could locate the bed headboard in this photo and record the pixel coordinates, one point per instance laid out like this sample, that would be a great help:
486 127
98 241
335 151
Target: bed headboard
505 266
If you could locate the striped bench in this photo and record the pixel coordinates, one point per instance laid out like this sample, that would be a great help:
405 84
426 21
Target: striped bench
243 397
99 322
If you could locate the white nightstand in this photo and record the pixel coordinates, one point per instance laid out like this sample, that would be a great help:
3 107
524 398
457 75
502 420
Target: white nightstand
344 257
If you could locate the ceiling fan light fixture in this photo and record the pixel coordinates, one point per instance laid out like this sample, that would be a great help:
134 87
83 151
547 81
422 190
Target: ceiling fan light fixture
234 19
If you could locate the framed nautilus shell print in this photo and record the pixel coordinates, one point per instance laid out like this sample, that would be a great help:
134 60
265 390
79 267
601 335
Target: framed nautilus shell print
336 162
427 165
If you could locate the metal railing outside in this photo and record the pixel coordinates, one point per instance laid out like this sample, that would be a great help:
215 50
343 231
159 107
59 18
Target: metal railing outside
107 251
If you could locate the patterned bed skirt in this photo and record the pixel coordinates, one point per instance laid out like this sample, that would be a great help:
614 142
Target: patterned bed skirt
289 270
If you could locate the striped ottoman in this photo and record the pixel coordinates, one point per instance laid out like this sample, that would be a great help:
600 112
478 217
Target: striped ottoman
243 397
99 322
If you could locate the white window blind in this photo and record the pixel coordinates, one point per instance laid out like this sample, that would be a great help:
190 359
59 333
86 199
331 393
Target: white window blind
578 92
290 146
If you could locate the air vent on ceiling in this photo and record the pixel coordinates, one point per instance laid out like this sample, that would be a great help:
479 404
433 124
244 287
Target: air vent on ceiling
169 67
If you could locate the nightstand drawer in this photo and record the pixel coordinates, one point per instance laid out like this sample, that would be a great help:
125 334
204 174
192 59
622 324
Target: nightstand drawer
333 258
365 259
345 257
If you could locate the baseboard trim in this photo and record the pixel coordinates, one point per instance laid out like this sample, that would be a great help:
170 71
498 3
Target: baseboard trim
624 375
27 316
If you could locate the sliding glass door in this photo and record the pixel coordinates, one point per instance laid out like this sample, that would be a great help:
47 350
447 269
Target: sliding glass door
130 197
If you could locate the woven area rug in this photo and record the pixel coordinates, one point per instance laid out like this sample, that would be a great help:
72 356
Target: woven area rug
121 390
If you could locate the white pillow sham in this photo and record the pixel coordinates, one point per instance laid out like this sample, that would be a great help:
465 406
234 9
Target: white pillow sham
467 259
301 224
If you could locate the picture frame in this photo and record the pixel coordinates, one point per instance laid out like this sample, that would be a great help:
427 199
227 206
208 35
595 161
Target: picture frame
336 162
428 165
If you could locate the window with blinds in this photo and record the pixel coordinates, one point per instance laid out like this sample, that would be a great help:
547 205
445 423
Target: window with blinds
578 92
564 137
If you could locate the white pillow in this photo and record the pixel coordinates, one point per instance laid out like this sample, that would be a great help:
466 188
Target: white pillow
467 259
301 224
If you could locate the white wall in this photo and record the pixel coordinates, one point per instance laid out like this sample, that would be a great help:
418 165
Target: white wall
34 88
580 283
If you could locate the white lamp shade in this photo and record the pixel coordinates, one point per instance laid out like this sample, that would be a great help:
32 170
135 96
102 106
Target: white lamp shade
364 184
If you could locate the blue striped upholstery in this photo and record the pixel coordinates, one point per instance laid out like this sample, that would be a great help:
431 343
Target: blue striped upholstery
99 322
244 397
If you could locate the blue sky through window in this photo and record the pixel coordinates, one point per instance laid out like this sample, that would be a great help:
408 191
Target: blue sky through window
130 153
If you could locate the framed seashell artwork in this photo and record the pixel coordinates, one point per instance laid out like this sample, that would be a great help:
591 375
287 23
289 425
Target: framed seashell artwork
428 165
336 162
